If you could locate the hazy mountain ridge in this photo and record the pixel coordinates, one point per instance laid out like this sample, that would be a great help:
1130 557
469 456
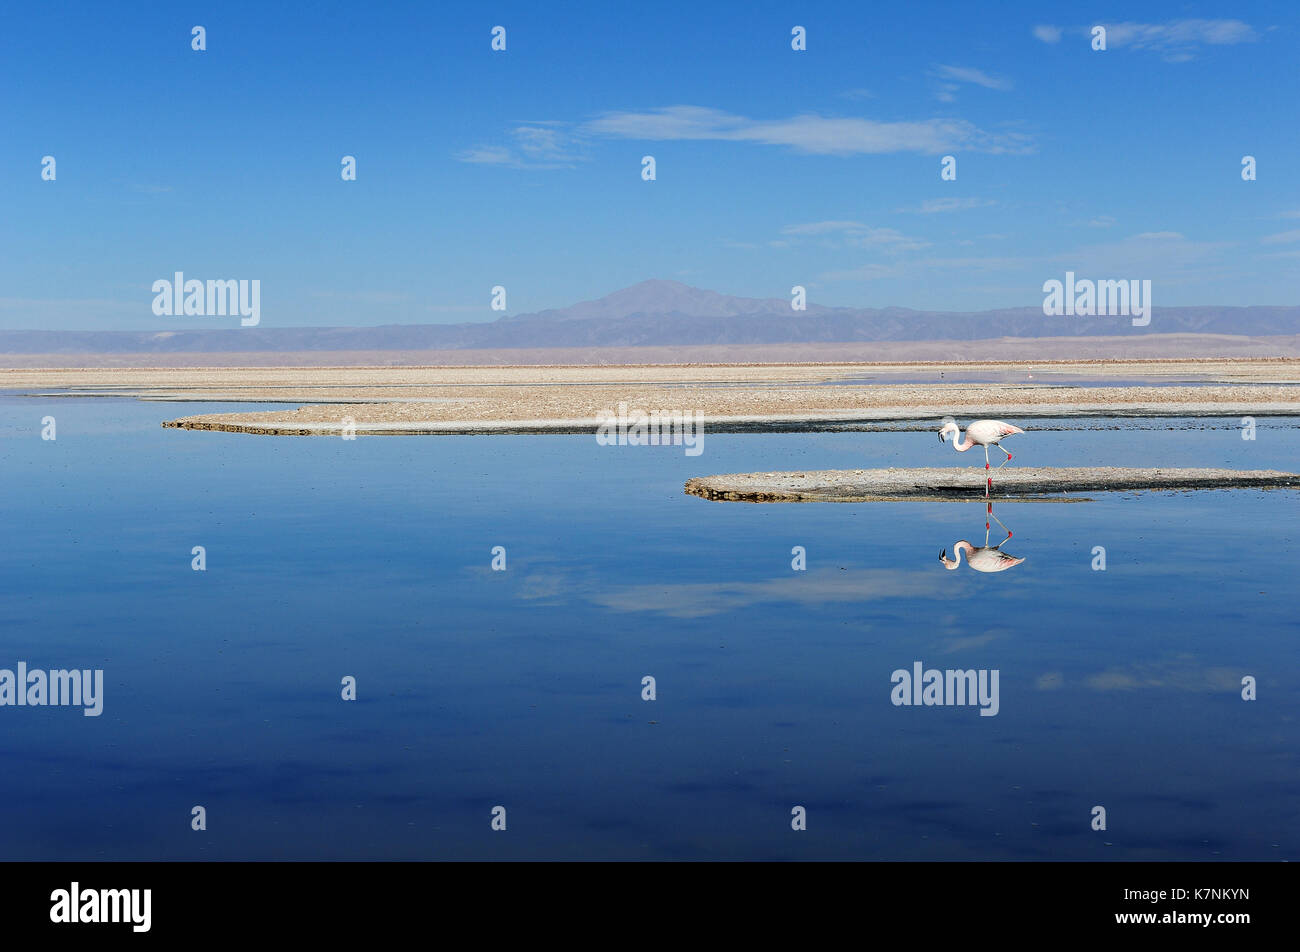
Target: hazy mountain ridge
663 313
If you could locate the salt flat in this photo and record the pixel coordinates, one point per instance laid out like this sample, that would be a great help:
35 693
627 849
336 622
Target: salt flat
730 396
967 482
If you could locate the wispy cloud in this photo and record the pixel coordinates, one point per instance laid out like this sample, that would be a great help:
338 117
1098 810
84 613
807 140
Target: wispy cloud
951 78
965 74
488 155
932 206
544 143
877 270
1179 35
872 271
1182 673
888 238
557 145
818 135
1281 238
1167 256
1175 40
362 297
821 227
857 234
535 145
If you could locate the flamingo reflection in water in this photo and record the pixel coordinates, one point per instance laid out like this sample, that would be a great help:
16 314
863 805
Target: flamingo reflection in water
985 558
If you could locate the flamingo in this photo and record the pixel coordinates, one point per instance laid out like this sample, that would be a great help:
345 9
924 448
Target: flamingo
985 558
983 433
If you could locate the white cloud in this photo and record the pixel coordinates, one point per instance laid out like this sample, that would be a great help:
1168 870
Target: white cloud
363 297
1165 256
822 227
818 135
963 74
890 238
1281 238
1048 34
876 270
933 206
543 142
1177 40
859 235
867 272
537 145
455 308
486 155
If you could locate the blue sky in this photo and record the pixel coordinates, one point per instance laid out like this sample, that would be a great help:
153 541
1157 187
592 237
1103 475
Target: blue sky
522 168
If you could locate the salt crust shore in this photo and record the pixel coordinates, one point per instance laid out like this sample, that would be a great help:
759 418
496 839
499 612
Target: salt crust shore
302 424
868 485
731 397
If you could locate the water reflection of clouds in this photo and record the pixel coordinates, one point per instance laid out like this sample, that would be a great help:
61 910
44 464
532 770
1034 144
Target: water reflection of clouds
953 645
1183 673
815 587
547 587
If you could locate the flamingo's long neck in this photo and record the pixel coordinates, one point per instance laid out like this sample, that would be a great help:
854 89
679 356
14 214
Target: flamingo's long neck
959 445
957 549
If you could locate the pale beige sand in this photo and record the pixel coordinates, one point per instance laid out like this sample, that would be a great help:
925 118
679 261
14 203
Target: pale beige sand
866 485
573 398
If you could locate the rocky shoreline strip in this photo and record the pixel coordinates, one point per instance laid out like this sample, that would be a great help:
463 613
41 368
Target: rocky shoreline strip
966 483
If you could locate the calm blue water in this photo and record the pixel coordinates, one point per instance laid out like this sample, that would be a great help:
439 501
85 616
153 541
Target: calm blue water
521 688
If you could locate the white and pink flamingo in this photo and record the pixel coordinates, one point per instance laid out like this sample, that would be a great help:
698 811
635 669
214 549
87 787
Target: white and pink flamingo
983 433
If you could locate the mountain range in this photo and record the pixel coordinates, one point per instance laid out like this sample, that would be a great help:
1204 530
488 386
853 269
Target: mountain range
666 313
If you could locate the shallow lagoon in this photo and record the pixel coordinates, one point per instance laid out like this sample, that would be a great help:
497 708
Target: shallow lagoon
371 558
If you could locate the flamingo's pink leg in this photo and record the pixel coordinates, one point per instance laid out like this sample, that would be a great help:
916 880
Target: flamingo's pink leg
999 522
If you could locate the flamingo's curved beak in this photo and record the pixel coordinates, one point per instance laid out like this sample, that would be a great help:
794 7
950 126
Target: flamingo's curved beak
943 556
